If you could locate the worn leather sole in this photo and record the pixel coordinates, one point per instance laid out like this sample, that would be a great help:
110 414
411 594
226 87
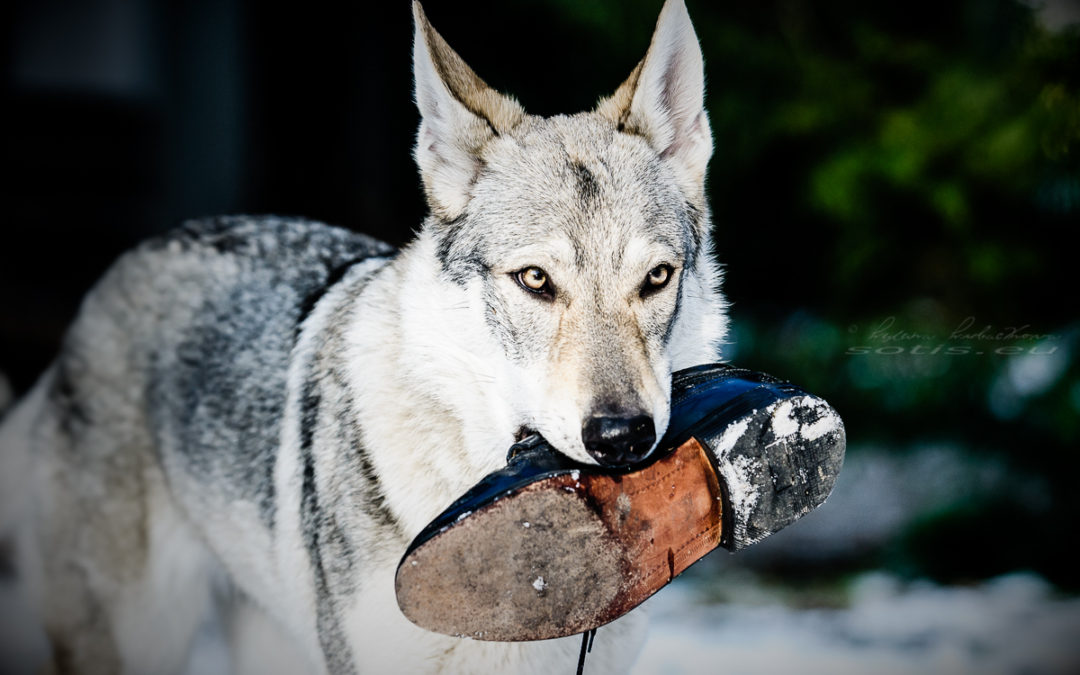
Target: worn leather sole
548 548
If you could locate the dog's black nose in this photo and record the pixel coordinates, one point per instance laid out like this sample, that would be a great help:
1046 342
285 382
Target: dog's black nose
619 441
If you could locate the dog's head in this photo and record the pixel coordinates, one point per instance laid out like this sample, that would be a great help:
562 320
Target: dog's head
585 238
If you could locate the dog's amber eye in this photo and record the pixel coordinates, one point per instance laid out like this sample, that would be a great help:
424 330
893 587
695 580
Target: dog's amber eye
657 278
534 280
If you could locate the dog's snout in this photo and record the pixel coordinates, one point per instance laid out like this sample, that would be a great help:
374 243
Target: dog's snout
619 441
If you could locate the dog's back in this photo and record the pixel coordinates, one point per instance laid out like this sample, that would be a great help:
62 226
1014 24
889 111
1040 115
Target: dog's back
183 346
164 407
235 295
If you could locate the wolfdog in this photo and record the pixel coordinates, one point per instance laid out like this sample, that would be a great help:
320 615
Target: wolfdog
251 417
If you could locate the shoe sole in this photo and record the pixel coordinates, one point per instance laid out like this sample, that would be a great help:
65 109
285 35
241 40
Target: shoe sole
570 552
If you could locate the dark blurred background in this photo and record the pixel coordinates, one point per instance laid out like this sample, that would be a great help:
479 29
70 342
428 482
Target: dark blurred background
893 189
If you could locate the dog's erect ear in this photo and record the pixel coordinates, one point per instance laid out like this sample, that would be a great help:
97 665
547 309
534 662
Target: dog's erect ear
664 98
459 113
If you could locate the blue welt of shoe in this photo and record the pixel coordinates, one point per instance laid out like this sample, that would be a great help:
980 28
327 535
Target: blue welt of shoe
548 547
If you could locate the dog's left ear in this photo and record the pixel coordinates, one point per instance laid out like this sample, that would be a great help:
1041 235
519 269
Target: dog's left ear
459 113
663 100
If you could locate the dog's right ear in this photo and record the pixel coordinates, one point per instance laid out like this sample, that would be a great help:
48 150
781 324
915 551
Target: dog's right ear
459 113
663 99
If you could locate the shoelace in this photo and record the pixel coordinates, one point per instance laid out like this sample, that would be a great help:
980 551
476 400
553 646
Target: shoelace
586 647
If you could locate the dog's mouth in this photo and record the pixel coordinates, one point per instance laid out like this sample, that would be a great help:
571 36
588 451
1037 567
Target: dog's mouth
528 437
524 432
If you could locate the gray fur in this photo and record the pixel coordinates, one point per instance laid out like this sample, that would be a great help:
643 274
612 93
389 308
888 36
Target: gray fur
219 381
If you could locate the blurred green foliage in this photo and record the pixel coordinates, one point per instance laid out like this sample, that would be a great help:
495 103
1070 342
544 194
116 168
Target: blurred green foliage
934 172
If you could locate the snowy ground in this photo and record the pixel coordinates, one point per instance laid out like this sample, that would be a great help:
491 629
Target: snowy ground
1010 625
